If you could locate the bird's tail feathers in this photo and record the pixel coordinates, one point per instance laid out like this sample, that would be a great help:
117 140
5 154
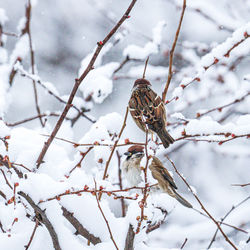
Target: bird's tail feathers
182 200
165 137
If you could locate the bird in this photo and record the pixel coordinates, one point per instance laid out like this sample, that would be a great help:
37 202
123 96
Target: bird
148 111
131 166
166 181
132 172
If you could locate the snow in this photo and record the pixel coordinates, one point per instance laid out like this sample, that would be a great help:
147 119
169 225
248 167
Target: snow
209 168
151 73
3 17
4 96
21 49
98 83
206 125
141 53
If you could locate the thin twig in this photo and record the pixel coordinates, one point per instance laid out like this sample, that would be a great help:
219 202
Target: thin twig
107 223
142 203
201 204
24 73
32 235
42 217
115 144
241 185
184 243
32 118
124 62
145 67
79 163
223 223
6 180
113 149
78 82
32 58
233 207
223 106
170 72
120 182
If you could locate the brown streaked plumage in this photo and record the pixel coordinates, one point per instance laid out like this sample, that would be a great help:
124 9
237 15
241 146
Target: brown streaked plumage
165 181
148 111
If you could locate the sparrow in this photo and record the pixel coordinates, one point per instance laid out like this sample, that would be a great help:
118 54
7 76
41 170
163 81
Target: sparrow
148 111
131 166
132 172
165 181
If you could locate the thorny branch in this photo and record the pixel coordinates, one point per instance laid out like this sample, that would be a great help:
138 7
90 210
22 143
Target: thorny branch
201 204
170 72
78 82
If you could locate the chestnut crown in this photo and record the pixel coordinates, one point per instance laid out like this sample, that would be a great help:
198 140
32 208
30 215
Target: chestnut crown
135 149
141 82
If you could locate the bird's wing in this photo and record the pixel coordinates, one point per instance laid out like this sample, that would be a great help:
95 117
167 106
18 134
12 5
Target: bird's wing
163 172
168 177
148 107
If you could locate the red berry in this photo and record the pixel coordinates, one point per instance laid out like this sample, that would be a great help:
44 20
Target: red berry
216 60
127 141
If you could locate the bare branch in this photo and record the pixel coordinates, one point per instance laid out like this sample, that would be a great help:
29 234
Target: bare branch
241 185
115 144
103 215
42 217
32 235
32 56
170 72
184 243
145 67
223 106
202 206
120 182
79 228
129 243
231 210
78 82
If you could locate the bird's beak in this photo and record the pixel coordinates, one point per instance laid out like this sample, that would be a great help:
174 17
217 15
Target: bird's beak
127 153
